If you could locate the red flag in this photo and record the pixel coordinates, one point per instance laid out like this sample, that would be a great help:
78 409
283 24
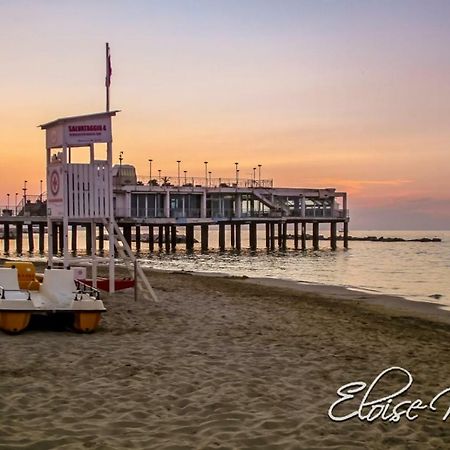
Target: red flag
108 67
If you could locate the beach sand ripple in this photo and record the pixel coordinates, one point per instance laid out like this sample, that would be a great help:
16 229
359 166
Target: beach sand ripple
217 364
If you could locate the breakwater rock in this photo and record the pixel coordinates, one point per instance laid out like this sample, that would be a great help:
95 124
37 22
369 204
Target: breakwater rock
372 238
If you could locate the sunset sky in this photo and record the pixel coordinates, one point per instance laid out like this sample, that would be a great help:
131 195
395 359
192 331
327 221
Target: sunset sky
347 94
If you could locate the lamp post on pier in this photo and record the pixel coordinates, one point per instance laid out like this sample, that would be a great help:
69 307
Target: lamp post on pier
120 167
206 173
7 206
40 190
150 171
159 175
24 193
259 174
254 176
209 173
237 173
185 176
16 202
179 182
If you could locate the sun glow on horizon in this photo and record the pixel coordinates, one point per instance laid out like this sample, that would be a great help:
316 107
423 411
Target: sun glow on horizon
347 95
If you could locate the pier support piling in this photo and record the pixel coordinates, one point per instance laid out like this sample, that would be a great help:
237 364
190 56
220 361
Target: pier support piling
204 237
74 238
189 238
233 235
160 237
30 238
303 236
138 238
173 236
316 235
151 239
6 237
41 238
333 235
296 235
238 236
222 237
101 238
253 236
167 238
272 236
284 236
280 233
127 234
89 239
345 234
19 238
54 240
61 237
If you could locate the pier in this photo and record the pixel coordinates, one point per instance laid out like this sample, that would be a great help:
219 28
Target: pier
164 213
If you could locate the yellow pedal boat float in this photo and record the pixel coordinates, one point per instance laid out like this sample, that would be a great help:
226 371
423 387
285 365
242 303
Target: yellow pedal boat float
21 294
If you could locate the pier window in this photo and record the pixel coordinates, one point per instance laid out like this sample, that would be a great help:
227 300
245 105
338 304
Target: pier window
220 206
177 206
147 205
186 206
319 208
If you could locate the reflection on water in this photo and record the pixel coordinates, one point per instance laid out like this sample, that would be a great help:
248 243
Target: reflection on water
414 270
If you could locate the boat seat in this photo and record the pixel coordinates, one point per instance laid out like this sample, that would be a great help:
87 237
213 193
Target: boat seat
9 282
59 286
26 274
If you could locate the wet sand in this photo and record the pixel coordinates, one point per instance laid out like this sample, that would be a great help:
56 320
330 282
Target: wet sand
224 363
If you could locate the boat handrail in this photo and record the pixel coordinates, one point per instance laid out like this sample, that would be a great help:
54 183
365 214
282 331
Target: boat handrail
84 288
3 290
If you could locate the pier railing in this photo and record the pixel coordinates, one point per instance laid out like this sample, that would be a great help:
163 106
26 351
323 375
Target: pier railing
195 213
188 213
32 205
183 181
7 211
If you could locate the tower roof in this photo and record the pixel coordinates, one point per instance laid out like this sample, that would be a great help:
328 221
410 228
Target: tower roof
63 120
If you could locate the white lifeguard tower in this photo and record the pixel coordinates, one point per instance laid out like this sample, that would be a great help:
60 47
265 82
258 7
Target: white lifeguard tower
76 192
82 192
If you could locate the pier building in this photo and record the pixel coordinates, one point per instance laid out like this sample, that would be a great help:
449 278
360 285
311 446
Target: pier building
156 211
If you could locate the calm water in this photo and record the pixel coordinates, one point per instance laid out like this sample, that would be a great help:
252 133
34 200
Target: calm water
414 270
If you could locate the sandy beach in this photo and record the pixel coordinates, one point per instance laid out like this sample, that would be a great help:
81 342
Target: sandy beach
223 363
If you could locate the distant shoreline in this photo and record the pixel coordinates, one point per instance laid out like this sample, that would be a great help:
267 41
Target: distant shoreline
369 238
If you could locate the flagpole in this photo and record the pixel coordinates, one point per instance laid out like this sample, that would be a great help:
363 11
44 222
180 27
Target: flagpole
108 75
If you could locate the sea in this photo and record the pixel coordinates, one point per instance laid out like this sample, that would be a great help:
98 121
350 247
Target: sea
418 271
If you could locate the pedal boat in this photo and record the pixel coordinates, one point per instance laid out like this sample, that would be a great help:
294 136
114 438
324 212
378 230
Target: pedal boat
58 292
